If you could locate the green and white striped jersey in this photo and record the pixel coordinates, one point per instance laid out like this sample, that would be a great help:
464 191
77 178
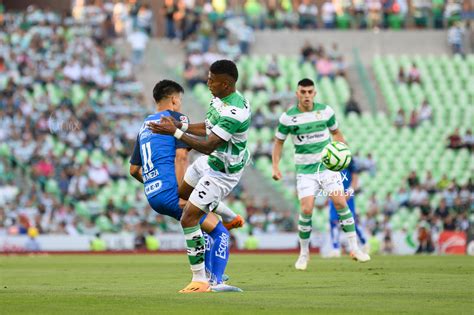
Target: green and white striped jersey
229 118
310 134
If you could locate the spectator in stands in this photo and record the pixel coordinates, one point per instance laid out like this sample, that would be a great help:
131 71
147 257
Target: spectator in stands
417 196
374 13
437 13
145 19
413 121
455 140
421 10
254 14
430 183
390 205
452 12
413 180
401 76
308 15
170 10
258 119
443 183
414 75
306 52
340 67
273 70
259 82
424 239
359 9
324 68
399 121
328 14
426 113
138 40
468 140
352 106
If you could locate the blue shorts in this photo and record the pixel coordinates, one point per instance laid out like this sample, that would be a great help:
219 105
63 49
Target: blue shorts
332 210
167 203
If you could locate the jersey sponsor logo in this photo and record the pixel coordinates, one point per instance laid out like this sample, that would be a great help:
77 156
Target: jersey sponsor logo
301 138
150 175
224 244
294 119
153 187
233 111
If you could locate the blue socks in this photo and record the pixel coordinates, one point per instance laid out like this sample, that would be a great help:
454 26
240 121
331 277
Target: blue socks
334 229
219 253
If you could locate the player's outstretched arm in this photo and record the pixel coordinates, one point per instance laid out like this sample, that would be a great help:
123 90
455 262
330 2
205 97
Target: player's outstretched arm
338 136
198 129
276 156
206 146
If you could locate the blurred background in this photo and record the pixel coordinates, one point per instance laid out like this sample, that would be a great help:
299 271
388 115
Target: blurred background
76 80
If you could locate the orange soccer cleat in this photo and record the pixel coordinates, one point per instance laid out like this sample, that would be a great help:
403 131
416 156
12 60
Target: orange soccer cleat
196 287
234 224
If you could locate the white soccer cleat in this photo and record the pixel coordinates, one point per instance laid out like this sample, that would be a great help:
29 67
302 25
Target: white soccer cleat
366 248
222 287
360 256
302 262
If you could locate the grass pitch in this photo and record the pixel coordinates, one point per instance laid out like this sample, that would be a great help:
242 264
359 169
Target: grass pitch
148 284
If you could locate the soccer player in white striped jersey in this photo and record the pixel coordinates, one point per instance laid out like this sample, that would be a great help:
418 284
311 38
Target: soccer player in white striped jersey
311 126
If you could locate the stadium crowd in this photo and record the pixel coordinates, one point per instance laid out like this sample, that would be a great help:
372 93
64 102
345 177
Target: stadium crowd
67 124
185 18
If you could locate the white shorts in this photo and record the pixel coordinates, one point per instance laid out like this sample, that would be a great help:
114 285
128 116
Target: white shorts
196 170
210 186
309 184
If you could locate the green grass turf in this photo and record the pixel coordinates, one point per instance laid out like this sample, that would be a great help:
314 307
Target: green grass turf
149 284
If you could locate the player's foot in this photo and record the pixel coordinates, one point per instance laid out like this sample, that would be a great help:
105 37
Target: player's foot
196 287
302 262
225 278
222 287
237 222
360 256
335 253
366 248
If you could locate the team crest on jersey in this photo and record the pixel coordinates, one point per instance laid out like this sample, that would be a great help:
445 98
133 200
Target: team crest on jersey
318 114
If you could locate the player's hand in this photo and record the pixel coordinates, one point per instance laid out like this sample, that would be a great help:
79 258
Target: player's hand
276 174
178 124
165 127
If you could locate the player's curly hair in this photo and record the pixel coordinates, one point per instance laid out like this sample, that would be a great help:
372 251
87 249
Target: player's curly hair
225 66
166 88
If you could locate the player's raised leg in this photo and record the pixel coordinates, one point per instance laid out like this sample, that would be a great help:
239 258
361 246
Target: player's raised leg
197 170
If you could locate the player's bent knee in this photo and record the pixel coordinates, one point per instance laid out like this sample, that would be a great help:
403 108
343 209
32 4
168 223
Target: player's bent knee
191 215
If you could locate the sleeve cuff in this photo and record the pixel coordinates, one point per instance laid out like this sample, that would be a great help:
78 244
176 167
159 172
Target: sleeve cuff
280 135
333 127
221 133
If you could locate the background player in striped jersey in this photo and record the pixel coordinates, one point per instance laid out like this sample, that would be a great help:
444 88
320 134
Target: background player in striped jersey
226 126
311 126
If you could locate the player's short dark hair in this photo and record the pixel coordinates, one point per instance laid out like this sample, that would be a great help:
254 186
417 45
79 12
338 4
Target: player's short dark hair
306 82
166 88
225 66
